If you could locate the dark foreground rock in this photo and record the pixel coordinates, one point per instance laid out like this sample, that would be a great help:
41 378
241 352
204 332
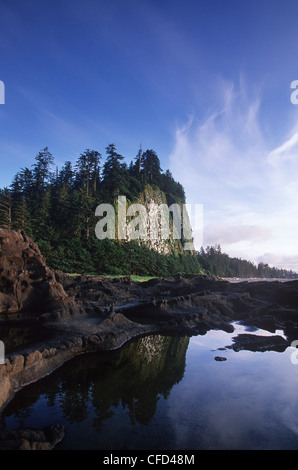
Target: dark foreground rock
32 439
47 317
220 358
251 342
26 282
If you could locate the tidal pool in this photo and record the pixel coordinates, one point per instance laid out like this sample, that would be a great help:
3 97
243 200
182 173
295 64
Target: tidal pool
168 393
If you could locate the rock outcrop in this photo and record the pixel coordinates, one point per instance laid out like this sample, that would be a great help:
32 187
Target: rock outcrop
26 282
250 342
32 439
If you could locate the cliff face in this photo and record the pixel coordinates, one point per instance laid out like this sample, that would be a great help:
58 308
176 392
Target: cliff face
160 224
25 280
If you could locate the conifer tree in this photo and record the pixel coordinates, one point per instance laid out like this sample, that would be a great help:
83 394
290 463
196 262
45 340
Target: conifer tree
66 175
114 172
41 169
20 211
88 171
5 209
151 167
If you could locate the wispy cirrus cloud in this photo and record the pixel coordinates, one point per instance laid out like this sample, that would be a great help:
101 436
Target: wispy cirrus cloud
222 155
286 151
248 189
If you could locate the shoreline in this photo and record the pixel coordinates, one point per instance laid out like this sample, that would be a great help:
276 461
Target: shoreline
256 279
207 304
152 308
48 317
35 362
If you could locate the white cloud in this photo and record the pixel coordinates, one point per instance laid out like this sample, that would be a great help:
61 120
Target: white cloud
249 191
284 151
279 261
229 235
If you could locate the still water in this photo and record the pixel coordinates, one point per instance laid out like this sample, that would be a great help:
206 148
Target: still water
168 393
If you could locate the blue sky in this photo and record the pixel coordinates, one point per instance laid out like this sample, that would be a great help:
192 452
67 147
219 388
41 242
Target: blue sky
204 83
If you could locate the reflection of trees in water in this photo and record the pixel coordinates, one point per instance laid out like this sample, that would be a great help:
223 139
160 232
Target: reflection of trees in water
144 370
134 377
74 401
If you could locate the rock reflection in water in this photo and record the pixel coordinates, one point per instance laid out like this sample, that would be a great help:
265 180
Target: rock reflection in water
162 392
92 387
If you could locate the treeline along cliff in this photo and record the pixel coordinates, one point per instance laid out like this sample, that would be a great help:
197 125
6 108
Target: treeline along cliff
56 208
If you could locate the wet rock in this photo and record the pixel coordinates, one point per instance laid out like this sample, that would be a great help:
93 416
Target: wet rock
26 282
32 357
251 342
32 439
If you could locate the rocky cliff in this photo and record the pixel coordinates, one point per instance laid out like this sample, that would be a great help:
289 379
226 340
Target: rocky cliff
26 282
165 231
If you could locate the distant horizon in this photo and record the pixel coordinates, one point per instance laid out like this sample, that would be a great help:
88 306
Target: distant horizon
208 84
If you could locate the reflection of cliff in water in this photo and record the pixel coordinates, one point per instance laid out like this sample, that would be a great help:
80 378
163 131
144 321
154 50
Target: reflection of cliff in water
150 368
134 377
